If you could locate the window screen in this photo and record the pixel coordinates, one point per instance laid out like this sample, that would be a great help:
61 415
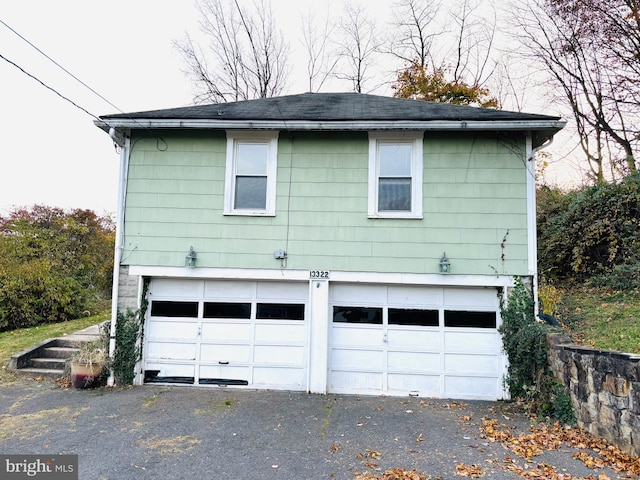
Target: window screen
251 176
394 183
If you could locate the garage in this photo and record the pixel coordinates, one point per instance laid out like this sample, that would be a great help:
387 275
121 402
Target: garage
359 338
223 332
415 340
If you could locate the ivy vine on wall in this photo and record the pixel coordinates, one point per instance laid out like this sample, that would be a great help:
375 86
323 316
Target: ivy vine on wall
524 340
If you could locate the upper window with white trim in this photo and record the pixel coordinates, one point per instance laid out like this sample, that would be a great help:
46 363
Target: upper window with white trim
250 182
395 174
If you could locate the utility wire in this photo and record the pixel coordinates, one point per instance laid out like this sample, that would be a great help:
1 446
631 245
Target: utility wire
72 76
50 88
59 66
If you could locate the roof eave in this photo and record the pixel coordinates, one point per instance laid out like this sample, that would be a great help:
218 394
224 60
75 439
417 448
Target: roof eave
358 125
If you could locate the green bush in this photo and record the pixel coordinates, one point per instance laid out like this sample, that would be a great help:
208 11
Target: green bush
54 265
591 232
30 295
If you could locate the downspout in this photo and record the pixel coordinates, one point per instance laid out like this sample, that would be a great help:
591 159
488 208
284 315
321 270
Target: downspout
531 214
117 257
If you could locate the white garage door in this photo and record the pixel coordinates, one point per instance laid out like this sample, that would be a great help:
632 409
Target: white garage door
399 340
227 333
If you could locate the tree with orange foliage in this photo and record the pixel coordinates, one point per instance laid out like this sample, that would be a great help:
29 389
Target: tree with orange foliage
419 83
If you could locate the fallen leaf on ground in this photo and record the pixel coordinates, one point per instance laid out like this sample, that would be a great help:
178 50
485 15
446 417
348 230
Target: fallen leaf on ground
395 474
545 437
472 471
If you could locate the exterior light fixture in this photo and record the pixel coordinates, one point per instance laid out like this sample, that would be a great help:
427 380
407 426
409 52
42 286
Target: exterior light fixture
190 259
445 264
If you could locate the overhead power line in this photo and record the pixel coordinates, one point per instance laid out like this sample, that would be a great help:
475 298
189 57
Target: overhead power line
59 66
48 87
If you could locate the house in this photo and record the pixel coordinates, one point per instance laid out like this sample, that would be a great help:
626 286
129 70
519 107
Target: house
326 242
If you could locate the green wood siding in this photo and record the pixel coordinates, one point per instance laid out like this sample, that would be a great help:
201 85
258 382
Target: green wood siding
474 206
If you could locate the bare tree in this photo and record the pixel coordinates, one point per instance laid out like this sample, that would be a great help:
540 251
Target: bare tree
453 46
357 48
474 40
571 43
245 56
316 40
414 31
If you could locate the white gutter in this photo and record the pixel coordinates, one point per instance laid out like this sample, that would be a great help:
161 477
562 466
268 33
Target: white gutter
441 125
122 190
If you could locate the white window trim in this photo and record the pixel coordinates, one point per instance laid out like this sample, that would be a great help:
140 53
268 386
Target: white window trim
416 140
233 138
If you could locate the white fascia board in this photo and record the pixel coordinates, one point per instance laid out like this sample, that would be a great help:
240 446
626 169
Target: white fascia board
435 125
445 280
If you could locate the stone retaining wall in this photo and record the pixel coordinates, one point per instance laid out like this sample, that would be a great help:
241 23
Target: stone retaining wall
604 388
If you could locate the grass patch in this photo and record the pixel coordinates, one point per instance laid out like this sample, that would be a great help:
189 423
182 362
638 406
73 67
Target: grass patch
602 319
32 425
213 407
14 341
168 446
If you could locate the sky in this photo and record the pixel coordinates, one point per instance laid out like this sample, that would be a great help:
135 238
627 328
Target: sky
51 152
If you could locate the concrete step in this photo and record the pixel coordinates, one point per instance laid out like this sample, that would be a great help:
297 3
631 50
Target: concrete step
48 363
47 359
31 372
58 352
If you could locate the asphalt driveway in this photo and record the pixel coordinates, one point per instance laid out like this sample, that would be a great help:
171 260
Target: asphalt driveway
158 432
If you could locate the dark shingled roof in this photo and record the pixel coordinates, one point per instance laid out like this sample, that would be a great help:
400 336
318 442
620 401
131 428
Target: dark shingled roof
333 107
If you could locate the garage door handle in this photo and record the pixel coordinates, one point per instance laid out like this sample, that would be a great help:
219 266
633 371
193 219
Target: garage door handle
223 363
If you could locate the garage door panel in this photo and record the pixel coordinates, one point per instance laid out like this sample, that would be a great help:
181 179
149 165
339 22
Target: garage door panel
281 332
171 370
471 387
419 339
415 296
357 359
171 351
289 377
225 353
356 381
171 329
172 288
285 291
424 385
468 340
414 361
353 336
461 363
471 297
243 290
226 372
283 354
364 294
229 332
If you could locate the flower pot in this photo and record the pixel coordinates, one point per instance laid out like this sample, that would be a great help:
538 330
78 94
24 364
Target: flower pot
85 375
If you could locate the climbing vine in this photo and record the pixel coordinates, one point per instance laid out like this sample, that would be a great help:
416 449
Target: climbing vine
128 334
525 342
